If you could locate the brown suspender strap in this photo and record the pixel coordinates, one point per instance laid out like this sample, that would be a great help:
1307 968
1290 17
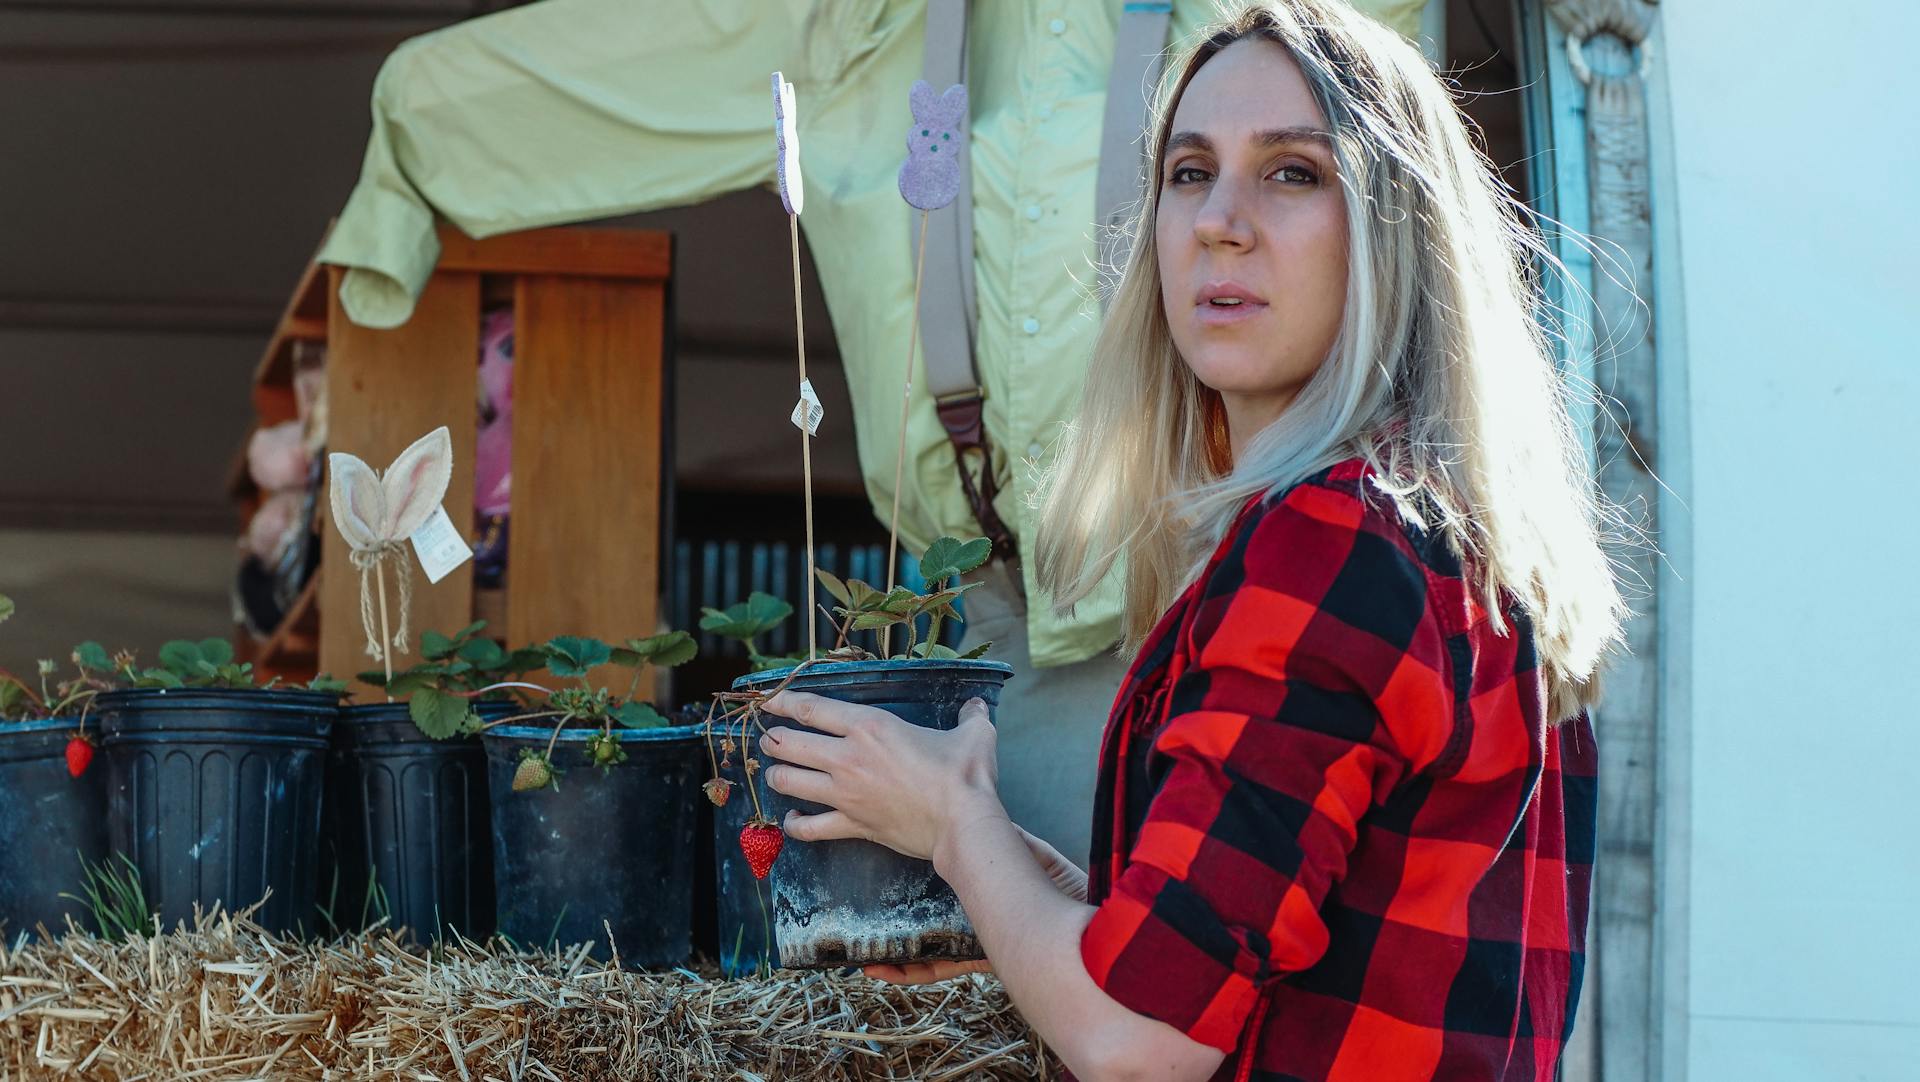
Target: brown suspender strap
948 321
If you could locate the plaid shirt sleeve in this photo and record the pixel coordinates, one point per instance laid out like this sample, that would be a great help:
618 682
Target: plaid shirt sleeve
1318 681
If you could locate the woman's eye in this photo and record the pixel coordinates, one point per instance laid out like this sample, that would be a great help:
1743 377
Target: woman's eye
1296 174
1186 174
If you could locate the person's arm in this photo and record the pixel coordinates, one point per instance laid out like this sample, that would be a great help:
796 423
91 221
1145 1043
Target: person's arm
567 112
1319 679
931 794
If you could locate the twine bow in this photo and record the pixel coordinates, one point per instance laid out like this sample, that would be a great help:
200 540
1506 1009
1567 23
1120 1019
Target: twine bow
369 562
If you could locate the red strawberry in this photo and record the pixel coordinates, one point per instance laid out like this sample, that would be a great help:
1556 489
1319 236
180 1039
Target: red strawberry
760 840
79 754
718 790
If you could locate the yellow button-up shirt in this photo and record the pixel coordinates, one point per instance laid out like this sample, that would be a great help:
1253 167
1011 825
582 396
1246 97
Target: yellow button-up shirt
572 110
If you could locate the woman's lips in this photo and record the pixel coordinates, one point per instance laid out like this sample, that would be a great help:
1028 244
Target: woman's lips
1208 314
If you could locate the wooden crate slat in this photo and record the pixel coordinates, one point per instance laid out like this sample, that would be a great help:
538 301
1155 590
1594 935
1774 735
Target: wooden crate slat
386 389
588 389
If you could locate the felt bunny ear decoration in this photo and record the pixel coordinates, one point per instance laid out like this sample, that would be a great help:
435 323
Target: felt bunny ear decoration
786 134
930 177
376 513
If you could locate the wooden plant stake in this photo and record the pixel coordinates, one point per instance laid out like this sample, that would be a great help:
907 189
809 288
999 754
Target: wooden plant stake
807 414
929 179
377 513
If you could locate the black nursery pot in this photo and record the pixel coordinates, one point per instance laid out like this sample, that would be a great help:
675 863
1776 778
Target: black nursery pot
611 847
215 795
411 815
49 822
851 902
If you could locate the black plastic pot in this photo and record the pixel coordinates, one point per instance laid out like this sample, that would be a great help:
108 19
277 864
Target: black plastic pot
849 902
49 822
409 826
612 847
215 794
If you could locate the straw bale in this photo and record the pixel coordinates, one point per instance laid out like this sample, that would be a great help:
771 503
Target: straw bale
224 1000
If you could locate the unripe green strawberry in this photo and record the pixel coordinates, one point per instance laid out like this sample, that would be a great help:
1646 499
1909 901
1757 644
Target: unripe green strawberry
534 772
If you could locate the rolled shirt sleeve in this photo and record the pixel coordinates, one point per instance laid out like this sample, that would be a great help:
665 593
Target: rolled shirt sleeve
1317 669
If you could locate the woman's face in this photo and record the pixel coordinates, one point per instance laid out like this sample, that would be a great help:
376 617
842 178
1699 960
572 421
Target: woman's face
1251 231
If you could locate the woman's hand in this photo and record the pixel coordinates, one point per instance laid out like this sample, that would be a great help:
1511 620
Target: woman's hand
903 786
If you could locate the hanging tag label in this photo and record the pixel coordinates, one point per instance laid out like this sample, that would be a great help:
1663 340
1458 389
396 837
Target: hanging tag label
808 411
440 546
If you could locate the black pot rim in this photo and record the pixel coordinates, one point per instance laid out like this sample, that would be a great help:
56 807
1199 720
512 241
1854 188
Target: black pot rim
662 735
259 700
864 668
38 725
378 713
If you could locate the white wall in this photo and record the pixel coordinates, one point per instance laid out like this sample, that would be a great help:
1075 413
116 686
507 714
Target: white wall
1795 165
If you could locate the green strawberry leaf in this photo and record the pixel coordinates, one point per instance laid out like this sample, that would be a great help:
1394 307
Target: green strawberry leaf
6 607
160 678
571 655
434 646
12 694
180 656
524 660
977 652
950 556
864 596
482 653
218 651
666 651
326 682
743 620
935 651
873 621
833 584
639 716
92 655
437 715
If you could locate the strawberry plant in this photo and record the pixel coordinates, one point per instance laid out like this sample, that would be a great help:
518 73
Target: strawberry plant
455 671
864 608
745 621
585 705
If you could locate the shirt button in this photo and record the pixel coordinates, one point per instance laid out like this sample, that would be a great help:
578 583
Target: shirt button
1031 326
1034 450
1058 26
1033 213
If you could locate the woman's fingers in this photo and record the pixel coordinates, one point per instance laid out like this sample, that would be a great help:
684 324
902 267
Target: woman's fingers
799 747
818 711
925 972
824 827
800 783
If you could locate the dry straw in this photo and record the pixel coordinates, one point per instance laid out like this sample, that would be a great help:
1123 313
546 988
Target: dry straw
225 1000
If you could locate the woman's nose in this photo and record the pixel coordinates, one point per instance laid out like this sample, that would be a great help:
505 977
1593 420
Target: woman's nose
1222 221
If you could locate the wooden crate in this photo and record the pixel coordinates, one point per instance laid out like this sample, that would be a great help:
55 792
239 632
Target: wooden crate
590 325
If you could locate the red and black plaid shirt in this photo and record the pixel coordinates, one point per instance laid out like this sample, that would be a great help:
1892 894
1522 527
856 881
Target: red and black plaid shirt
1334 836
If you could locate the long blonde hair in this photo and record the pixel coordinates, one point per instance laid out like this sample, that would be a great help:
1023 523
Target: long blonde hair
1441 376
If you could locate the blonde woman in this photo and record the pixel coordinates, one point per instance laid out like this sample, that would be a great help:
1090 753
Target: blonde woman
1345 817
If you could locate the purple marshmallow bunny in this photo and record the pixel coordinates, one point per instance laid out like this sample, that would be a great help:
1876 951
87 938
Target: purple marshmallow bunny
930 177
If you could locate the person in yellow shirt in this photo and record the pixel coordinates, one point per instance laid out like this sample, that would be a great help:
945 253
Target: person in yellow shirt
572 110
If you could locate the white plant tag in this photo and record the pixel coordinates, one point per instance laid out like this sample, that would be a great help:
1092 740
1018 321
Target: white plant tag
808 407
440 546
